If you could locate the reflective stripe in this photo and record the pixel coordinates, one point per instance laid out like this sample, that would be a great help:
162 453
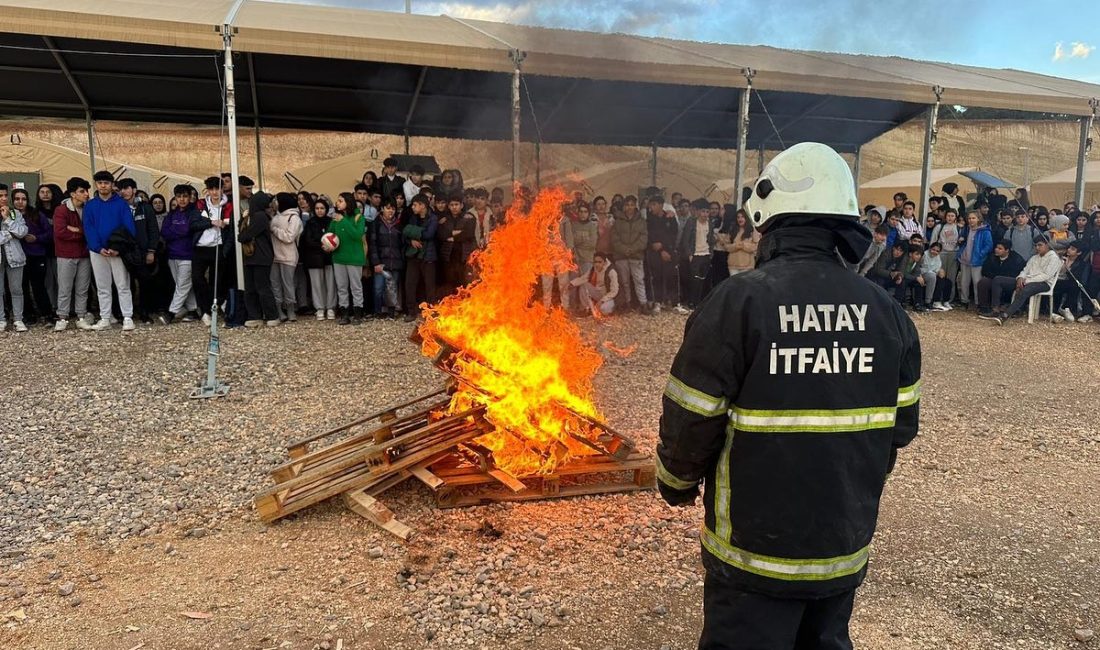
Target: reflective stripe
694 400
785 568
813 421
722 523
909 395
671 480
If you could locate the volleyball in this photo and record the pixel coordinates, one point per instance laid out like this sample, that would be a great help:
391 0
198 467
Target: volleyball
330 242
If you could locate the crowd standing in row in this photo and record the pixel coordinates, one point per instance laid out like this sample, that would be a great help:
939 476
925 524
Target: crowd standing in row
993 254
393 242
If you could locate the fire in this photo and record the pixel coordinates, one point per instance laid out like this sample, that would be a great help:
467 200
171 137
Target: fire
528 365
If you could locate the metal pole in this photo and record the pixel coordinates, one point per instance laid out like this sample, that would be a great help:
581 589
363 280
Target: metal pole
1027 164
742 134
91 142
760 161
234 166
855 172
256 121
408 144
517 58
1083 154
929 144
408 6
653 165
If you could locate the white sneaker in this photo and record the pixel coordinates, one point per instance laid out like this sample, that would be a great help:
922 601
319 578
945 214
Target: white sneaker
1084 319
83 324
680 309
19 326
1057 318
1067 314
330 314
273 323
253 323
101 324
938 306
127 324
114 321
947 306
3 325
320 314
206 319
61 325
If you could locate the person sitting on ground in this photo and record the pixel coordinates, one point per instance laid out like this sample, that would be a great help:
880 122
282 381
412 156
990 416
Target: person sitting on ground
1038 276
935 276
913 284
182 228
599 288
998 278
886 272
1075 304
876 250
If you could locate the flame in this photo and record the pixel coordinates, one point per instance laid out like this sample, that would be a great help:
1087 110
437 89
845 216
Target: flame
622 352
530 365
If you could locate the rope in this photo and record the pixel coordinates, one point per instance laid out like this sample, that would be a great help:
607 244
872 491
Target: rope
779 137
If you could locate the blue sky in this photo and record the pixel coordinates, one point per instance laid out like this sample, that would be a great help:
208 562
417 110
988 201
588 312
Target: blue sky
1004 34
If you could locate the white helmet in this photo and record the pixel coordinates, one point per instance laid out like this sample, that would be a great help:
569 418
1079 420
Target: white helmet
808 178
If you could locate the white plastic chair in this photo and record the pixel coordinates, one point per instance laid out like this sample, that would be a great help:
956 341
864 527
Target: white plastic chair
1036 303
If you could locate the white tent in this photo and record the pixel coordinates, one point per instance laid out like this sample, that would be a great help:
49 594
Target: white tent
1057 189
881 191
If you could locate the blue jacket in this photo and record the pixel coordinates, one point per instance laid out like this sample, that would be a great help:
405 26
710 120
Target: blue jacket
983 245
101 218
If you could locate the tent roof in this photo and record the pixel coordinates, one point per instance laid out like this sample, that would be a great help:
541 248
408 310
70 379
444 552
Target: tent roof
352 69
911 178
1092 175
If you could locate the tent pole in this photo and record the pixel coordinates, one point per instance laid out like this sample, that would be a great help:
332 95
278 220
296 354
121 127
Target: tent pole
855 172
1083 154
91 142
256 121
742 134
653 165
760 161
929 143
408 143
517 58
234 165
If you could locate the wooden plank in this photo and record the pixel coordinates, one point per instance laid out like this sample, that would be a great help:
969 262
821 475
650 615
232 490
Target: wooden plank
457 499
507 480
425 476
371 509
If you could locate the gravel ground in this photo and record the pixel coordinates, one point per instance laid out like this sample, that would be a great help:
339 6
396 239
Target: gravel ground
123 504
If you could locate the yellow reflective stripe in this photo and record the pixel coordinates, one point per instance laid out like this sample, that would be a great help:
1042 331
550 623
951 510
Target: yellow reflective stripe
671 480
694 400
785 568
909 395
722 523
813 420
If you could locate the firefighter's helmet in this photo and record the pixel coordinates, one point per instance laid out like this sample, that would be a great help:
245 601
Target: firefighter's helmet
808 178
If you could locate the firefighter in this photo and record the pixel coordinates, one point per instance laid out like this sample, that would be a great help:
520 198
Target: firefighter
794 387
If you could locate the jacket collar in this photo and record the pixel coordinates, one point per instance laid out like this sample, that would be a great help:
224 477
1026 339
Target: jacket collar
814 236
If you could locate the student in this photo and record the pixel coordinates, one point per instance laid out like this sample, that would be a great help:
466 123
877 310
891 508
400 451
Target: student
977 245
181 229
74 269
1075 304
148 240
461 238
318 262
390 182
907 224
387 259
212 250
598 289
935 277
628 244
411 187
259 255
886 272
913 283
1021 235
286 229
13 229
662 231
420 255
604 222
103 214
743 242
696 241
350 256
1059 234
37 245
998 278
560 273
1038 276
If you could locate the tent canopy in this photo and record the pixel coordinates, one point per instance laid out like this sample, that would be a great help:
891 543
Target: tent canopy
1056 190
881 191
308 66
57 164
985 179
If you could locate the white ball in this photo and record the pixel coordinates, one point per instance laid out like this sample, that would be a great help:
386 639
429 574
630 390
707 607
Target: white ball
330 242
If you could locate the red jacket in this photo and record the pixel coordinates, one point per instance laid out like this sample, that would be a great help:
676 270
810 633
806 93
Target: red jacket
66 242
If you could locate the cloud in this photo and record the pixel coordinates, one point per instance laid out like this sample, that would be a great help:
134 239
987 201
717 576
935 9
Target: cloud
1077 50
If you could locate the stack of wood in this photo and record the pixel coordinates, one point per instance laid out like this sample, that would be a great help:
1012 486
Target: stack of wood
420 439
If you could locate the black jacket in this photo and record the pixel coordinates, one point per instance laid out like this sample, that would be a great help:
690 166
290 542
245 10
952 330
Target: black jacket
663 231
145 223
387 186
133 256
309 246
794 387
258 231
1011 266
386 245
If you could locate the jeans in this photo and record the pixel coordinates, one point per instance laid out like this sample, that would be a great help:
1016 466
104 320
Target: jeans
415 270
1023 295
14 280
322 282
73 275
258 298
631 272
698 272
108 271
1001 289
387 296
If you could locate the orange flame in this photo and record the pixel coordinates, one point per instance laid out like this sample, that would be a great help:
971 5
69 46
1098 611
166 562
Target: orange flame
529 363
622 352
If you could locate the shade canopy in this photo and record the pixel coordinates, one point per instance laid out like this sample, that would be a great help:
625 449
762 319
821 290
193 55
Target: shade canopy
881 191
985 179
1056 190
307 66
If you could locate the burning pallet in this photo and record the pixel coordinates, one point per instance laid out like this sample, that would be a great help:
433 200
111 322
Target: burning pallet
418 439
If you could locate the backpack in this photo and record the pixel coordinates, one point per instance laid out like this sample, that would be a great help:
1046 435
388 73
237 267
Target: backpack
247 248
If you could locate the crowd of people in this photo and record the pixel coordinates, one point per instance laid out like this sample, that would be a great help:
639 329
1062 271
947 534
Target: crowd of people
991 253
393 242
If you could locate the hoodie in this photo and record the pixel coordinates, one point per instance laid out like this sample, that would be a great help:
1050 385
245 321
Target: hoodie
101 218
286 229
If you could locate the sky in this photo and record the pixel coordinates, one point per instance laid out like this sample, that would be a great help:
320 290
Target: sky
1055 38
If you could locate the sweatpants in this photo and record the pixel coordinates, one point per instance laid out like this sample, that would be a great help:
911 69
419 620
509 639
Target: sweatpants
950 262
993 292
258 299
108 271
969 277
349 280
282 285
322 282
415 270
182 297
14 280
74 275
740 620
632 272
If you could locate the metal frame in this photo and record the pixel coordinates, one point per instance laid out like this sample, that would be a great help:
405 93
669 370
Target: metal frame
256 120
64 67
930 133
1083 150
742 134
412 105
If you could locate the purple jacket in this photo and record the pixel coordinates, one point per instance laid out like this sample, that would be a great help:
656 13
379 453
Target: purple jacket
179 230
39 226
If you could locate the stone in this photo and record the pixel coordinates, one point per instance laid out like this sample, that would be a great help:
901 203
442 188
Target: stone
374 553
1084 635
66 588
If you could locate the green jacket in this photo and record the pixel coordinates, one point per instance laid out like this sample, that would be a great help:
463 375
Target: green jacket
350 230
629 237
585 236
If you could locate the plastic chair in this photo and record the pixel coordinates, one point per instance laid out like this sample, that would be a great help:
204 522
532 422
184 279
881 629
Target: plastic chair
1036 303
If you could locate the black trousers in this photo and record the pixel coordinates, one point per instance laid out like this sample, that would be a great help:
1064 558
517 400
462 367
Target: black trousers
259 300
739 620
415 270
144 297
663 279
34 278
202 266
